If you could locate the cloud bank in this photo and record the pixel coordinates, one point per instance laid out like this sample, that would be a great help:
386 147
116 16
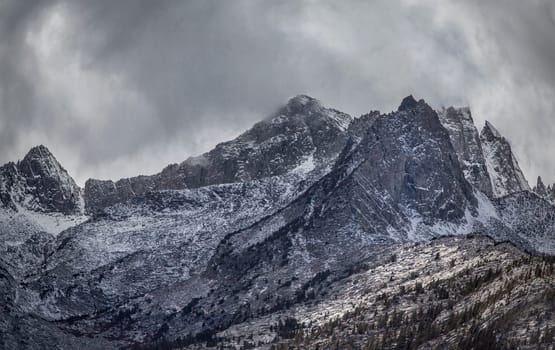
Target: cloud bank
120 88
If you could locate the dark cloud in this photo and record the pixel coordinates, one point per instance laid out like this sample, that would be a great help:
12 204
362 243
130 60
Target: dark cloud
117 88
17 70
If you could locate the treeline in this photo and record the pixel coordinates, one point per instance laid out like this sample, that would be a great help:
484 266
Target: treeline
382 325
436 318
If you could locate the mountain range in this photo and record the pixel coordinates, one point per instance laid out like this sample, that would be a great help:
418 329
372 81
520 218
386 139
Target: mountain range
253 243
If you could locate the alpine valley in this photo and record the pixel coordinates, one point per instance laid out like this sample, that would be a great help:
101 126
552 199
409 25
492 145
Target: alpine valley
311 230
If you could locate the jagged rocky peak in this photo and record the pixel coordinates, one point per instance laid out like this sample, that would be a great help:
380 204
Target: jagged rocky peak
38 152
406 163
419 109
490 133
421 161
301 135
546 192
40 162
466 141
40 183
502 165
540 188
408 103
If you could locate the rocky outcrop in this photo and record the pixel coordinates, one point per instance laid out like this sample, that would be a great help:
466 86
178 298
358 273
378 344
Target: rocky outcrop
466 141
504 171
545 192
540 188
39 183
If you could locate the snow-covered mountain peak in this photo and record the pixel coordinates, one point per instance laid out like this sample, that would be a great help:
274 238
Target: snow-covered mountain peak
39 161
39 183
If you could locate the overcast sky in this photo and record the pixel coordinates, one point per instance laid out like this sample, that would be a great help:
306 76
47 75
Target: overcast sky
118 88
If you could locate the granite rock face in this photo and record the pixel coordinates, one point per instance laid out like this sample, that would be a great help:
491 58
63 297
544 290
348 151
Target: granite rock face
466 141
506 176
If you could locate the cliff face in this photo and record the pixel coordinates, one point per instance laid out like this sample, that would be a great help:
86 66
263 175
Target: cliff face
505 174
466 141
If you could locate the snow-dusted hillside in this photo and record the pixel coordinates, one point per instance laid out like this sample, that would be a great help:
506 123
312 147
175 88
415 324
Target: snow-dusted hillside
426 296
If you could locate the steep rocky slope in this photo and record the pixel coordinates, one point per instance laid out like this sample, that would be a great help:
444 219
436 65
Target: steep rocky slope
301 130
466 141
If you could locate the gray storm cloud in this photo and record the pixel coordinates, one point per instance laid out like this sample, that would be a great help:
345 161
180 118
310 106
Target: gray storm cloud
118 88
